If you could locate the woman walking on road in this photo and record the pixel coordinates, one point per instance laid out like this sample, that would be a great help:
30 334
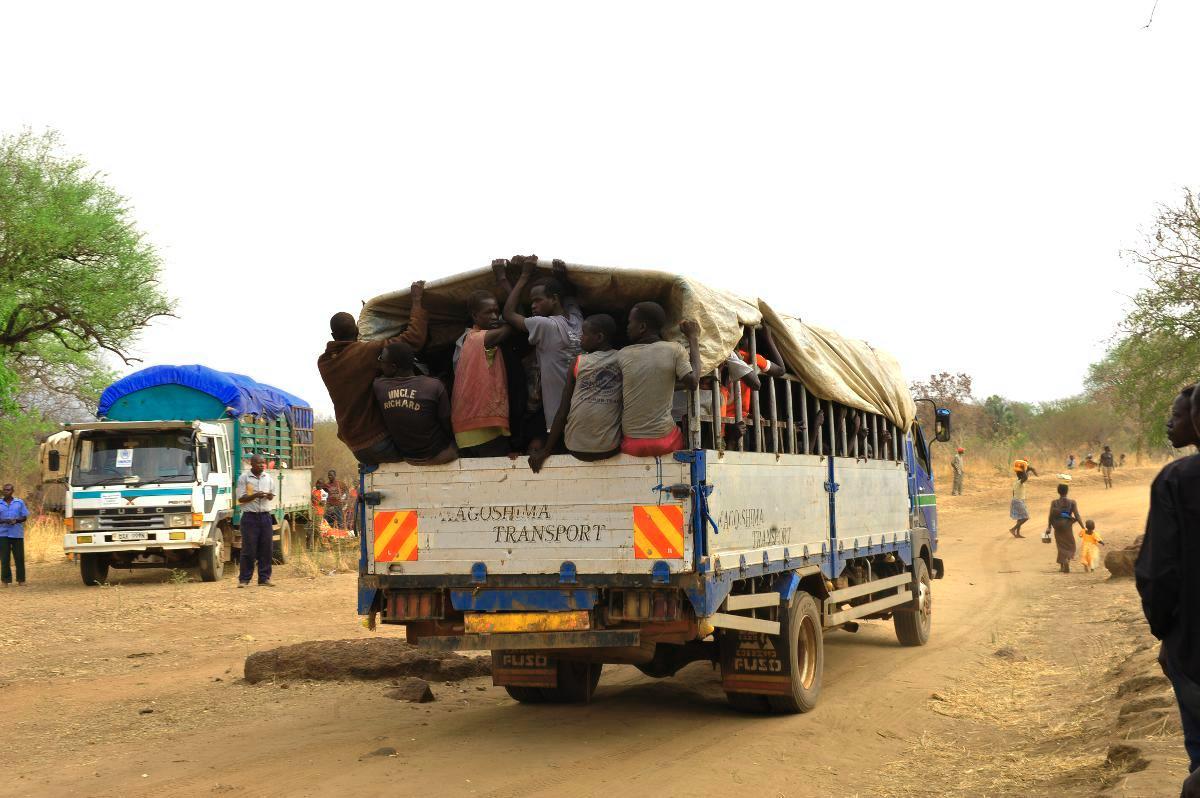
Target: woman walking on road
1018 510
1064 514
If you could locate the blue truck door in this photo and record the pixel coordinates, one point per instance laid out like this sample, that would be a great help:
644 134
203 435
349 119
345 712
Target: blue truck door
921 490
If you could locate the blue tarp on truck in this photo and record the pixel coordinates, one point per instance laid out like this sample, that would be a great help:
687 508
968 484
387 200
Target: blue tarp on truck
237 394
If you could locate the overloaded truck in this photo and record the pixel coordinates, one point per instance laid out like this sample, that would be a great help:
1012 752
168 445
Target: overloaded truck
151 483
738 550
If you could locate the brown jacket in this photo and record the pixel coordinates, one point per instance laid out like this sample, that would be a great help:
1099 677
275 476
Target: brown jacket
349 368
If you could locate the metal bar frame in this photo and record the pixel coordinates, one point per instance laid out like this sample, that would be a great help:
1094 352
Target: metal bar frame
755 407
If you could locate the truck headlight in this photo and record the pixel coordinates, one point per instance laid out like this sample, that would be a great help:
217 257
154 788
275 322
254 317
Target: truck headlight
179 520
86 524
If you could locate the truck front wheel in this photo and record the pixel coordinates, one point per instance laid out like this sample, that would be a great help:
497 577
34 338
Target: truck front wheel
913 626
281 550
212 563
93 568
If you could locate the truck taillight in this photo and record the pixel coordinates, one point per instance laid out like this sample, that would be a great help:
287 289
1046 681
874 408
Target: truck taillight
643 605
411 605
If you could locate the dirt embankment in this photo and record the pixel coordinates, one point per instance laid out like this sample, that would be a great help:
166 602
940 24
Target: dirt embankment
379 658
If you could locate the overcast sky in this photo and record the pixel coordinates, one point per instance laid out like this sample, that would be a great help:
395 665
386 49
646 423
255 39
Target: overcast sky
951 181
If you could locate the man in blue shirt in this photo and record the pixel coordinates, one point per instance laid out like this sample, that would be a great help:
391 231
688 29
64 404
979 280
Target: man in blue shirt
12 536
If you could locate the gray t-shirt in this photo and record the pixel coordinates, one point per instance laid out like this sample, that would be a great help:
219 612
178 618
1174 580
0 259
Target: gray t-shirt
594 423
648 375
556 340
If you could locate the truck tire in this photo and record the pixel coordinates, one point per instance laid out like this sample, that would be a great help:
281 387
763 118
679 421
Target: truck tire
212 562
913 628
576 682
281 550
750 703
93 568
801 629
526 695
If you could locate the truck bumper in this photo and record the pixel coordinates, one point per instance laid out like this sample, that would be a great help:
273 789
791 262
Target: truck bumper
532 641
193 539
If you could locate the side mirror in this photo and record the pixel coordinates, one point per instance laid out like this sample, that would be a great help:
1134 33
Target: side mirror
54 460
941 425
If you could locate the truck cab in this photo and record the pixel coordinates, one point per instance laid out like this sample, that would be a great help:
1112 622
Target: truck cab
148 495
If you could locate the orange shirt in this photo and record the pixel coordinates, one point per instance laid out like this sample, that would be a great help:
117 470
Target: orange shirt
727 407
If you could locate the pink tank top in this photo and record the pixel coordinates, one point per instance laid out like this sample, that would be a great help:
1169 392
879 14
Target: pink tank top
480 388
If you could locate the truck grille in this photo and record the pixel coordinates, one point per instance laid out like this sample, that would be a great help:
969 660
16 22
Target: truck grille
131 518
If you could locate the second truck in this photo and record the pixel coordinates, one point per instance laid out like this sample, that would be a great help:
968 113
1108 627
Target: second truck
150 483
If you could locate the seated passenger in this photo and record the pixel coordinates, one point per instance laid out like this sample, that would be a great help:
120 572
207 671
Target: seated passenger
649 368
554 329
479 407
416 409
590 410
348 366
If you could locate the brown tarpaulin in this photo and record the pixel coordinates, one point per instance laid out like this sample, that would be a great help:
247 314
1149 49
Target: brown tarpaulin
831 367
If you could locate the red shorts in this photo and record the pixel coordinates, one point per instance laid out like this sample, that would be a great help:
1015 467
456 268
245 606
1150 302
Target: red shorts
653 447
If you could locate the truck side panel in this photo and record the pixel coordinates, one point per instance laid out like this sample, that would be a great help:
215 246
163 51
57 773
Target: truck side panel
607 517
763 504
872 502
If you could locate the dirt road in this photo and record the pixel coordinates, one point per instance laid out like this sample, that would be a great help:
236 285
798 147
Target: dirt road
135 689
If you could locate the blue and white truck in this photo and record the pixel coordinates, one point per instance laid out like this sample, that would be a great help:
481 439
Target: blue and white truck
150 484
822 515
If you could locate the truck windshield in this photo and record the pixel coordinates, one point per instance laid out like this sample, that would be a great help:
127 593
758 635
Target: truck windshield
123 457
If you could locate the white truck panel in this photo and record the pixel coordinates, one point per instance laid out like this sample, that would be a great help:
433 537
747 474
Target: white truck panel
763 503
294 487
872 501
497 511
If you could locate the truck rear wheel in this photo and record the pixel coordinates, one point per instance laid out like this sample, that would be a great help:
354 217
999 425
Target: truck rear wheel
93 568
913 627
281 550
801 630
576 682
526 695
212 562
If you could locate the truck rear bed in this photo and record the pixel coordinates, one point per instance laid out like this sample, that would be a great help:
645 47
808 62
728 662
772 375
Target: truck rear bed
613 517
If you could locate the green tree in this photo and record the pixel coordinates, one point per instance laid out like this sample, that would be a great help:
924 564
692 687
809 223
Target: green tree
1157 350
80 278
1140 376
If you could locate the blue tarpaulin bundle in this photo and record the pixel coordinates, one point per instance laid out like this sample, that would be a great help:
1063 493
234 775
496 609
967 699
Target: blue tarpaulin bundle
237 392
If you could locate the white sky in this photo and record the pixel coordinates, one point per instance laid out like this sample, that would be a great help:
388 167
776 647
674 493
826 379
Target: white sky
932 177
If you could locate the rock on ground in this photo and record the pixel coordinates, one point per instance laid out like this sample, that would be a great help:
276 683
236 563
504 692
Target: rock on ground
411 689
1119 562
376 658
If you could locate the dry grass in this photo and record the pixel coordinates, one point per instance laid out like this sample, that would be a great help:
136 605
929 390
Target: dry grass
1023 724
329 556
1039 738
44 539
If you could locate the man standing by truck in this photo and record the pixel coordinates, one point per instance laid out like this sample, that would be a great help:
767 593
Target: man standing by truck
349 368
957 465
255 491
12 536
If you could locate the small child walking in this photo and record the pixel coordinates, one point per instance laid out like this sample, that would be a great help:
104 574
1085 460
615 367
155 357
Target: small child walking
1089 549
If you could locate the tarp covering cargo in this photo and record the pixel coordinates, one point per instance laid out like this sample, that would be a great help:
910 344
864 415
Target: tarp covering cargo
832 367
237 392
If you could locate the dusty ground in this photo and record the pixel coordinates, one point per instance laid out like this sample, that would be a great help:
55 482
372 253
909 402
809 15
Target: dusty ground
136 689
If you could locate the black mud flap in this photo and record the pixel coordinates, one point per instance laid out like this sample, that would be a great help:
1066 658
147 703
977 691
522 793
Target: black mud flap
524 669
939 570
752 662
